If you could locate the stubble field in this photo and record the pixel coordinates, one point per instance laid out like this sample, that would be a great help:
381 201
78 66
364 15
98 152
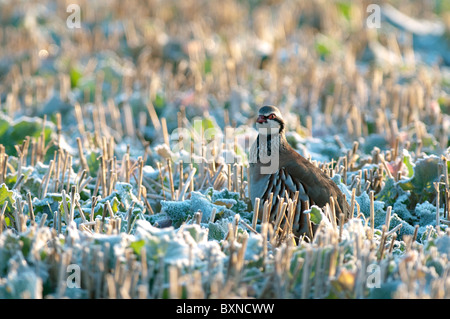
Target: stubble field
125 138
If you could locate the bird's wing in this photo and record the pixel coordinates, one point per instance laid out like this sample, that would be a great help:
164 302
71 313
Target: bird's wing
318 186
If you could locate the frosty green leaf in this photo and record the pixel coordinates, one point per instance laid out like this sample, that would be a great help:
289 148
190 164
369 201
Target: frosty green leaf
137 246
7 197
407 161
425 173
315 214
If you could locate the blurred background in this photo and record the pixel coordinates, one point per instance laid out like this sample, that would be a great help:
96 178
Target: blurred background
92 91
353 68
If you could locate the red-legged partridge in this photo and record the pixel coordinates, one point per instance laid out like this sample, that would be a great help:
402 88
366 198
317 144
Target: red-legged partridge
275 167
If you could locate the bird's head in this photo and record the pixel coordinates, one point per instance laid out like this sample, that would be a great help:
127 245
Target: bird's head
269 120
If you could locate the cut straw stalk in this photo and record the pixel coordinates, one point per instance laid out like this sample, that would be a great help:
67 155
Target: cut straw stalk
382 243
102 172
77 203
47 179
19 182
80 119
57 170
235 178
187 184
372 214
109 209
181 175
2 218
169 169
394 230
147 204
83 161
447 188
248 226
174 287
4 168
141 172
287 227
64 168
255 212
72 202
165 131
153 115
388 217
19 217
332 211
69 168
436 187
30 207
280 214
352 206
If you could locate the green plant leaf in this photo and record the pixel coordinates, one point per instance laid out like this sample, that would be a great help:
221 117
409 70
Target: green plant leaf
4 126
407 161
345 9
7 197
75 76
325 45
315 214
425 173
137 246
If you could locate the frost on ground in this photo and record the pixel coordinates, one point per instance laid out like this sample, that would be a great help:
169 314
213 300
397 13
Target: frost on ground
124 149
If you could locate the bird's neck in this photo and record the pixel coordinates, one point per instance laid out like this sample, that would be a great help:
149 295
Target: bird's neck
265 145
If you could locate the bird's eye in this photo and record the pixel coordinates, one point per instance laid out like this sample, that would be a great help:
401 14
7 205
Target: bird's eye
271 116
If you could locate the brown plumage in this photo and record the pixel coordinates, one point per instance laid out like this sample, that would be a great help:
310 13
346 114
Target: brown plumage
288 172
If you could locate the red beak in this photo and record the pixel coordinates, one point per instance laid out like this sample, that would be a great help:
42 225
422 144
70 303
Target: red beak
261 119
